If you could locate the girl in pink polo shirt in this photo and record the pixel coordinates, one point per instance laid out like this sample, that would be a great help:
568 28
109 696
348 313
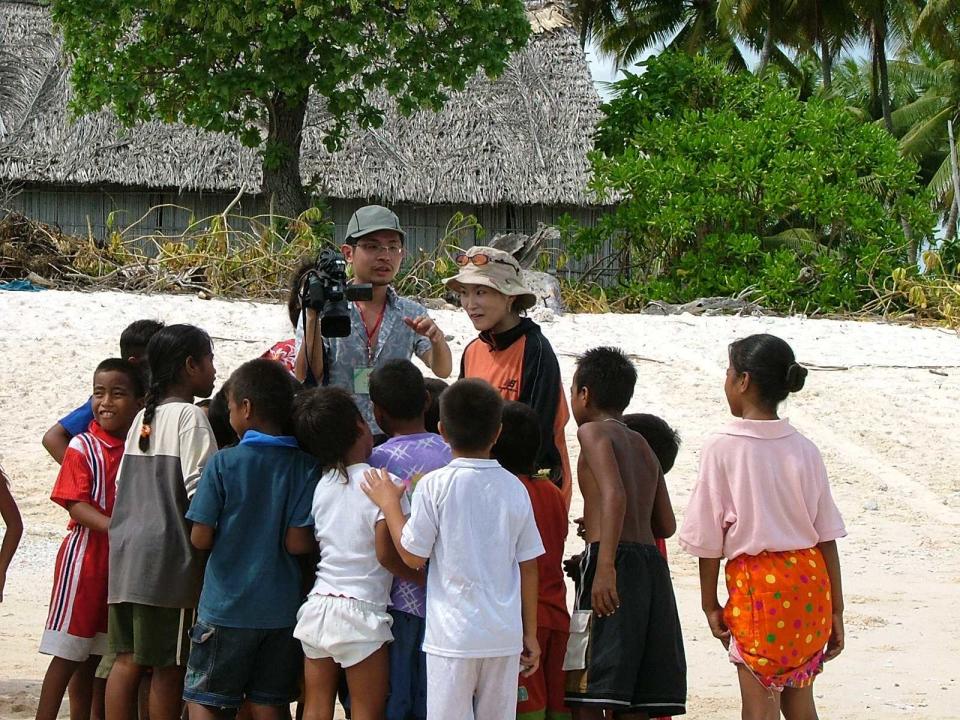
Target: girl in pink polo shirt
762 501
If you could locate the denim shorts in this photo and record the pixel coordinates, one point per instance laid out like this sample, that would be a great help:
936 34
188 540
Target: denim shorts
229 665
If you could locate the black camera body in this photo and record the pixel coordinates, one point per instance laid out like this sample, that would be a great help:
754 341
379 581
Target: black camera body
327 291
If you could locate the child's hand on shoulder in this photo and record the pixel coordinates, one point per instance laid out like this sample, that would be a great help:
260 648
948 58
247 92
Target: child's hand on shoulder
380 488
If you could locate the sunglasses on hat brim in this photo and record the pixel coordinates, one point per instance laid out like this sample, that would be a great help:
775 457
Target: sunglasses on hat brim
481 259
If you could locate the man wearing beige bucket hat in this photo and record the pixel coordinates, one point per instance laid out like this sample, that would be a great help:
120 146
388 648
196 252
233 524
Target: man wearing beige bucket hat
388 327
511 352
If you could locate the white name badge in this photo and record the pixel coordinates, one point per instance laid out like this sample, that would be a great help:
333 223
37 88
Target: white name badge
361 380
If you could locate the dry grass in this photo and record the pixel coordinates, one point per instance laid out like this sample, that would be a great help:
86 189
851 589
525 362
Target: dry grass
931 296
220 255
240 257
224 255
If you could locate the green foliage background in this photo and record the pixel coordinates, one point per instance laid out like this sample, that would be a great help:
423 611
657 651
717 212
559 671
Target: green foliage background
724 182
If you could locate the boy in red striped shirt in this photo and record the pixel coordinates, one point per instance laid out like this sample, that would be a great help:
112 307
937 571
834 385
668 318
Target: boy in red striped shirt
76 630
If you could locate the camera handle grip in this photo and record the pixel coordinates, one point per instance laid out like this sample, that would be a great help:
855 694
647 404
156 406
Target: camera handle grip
309 378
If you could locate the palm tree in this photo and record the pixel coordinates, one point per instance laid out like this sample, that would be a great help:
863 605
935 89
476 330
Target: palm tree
625 29
883 22
824 28
764 25
937 24
922 124
759 23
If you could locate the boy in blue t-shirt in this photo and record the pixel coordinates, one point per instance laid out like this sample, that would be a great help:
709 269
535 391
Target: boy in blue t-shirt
252 510
133 347
399 397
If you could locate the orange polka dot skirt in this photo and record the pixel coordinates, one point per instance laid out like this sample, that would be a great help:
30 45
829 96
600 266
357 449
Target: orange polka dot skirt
779 615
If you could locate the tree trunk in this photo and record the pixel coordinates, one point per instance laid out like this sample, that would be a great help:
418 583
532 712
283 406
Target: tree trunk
951 229
826 65
955 176
773 19
880 52
282 185
826 57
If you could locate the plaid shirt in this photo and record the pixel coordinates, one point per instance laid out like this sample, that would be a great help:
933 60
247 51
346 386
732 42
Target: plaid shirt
410 457
395 341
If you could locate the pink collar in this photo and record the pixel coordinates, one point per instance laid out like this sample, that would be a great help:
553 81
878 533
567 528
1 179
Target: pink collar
762 429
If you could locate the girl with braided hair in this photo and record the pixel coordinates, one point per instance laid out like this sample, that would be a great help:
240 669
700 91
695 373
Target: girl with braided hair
155 573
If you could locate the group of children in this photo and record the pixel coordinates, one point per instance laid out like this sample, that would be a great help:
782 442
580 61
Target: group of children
434 561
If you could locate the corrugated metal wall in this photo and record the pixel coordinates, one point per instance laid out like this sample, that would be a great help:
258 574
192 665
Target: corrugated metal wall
98 211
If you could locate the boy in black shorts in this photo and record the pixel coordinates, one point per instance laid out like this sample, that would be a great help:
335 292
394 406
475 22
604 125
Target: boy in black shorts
625 653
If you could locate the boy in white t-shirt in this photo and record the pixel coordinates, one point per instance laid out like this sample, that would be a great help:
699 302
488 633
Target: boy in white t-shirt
474 522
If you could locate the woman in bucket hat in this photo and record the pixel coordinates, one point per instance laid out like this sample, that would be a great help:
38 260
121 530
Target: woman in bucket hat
511 353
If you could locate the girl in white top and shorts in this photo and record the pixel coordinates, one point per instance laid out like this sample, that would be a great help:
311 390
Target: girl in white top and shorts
344 622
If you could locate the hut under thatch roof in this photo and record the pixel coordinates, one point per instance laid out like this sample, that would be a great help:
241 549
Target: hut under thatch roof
511 151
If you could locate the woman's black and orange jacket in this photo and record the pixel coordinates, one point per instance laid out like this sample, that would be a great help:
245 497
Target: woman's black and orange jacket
521 365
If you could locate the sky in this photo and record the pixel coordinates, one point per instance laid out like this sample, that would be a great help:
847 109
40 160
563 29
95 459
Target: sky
604 70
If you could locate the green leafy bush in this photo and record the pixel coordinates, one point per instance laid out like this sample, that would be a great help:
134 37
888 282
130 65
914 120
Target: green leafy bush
726 182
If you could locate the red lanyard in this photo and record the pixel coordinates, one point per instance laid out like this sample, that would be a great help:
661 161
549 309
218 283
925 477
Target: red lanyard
372 333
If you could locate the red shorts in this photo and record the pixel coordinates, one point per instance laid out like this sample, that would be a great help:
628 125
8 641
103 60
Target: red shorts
540 696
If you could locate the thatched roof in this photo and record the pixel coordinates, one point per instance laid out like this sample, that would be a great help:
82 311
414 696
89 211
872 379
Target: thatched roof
522 139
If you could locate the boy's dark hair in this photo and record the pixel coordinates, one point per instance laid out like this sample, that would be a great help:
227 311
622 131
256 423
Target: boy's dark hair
771 364
293 292
122 365
470 411
662 439
518 446
136 336
266 384
397 388
609 375
167 353
218 413
326 423
431 418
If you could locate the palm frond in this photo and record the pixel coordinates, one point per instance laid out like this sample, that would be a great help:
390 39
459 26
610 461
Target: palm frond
917 74
937 24
941 184
803 241
926 135
917 112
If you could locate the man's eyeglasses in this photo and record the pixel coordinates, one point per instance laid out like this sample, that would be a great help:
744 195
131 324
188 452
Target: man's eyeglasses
394 250
481 259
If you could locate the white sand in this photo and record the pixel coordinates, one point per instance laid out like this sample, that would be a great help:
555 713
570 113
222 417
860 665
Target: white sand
888 435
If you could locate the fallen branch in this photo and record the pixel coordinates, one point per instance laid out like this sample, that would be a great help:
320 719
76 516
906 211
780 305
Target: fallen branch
838 368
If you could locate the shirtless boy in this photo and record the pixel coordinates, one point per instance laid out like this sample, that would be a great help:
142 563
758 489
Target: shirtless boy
625 654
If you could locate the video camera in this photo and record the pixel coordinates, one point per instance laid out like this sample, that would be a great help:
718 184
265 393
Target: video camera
325 289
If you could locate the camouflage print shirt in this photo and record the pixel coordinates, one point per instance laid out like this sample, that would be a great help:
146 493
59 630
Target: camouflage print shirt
343 357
